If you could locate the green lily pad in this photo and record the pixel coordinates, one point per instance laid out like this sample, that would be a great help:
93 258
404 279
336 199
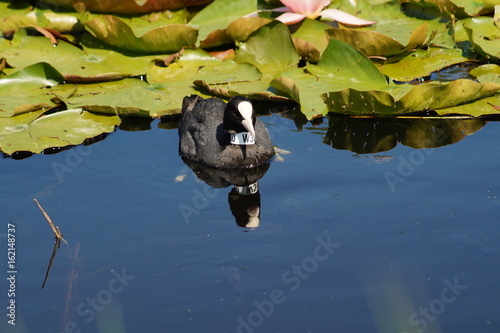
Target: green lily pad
75 64
35 132
313 31
372 43
25 90
341 67
270 49
429 96
240 29
487 73
132 7
128 97
479 108
64 23
219 14
164 39
200 65
485 36
393 22
422 63
255 90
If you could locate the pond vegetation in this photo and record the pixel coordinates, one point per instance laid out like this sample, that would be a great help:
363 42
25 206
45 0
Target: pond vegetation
69 72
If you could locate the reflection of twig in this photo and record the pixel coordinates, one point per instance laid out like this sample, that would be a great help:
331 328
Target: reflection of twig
55 229
57 244
72 277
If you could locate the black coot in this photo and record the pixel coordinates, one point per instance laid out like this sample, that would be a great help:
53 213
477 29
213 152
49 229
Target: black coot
222 135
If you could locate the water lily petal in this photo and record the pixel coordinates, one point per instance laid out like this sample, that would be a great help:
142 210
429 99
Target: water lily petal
345 18
309 8
290 18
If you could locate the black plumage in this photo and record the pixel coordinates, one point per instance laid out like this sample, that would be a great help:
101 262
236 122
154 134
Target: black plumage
205 130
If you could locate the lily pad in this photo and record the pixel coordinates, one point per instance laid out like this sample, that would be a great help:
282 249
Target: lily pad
36 132
487 73
200 65
429 96
240 29
75 64
65 23
164 39
341 66
480 108
270 49
372 43
485 36
313 31
128 97
422 63
255 90
133 7
219 14
25 90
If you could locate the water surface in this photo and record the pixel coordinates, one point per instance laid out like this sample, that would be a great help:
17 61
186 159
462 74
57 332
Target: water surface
362 229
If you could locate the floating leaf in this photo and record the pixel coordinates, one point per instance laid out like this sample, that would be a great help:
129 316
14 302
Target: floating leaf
313 31
256 90
164 39
487 73
484 107
75 64
240 29
429 96
128 97
35 132
219 14
200 65
26 91
341 67
485 36
421 63
133 7
372 43
270 49
47 19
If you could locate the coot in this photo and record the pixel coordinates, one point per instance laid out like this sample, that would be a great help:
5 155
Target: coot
221 135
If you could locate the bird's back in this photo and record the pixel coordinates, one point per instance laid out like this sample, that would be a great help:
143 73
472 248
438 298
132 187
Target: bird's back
202 137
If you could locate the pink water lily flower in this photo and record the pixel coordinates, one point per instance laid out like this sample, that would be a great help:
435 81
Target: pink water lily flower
297 10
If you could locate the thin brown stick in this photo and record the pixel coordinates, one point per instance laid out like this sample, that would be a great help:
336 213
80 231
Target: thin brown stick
54 228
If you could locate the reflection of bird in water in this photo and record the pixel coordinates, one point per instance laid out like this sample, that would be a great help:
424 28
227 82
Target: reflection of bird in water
244 197
221 135
244 202
231 277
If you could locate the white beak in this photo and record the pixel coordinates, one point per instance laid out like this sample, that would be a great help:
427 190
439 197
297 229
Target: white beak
246 111
247 123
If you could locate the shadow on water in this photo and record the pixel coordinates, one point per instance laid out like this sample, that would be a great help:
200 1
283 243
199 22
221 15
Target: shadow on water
364 136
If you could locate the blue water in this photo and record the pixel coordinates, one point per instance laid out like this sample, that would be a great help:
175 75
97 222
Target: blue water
399 240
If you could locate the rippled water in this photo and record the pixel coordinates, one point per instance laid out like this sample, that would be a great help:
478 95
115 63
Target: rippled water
362 228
